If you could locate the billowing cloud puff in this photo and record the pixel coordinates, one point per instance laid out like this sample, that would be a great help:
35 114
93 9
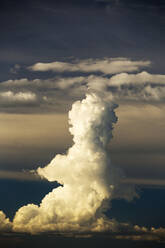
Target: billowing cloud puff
106 65
5 224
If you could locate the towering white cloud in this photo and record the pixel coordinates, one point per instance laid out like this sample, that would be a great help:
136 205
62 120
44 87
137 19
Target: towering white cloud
87 176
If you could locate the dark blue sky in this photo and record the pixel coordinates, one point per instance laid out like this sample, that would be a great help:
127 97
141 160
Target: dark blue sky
148 210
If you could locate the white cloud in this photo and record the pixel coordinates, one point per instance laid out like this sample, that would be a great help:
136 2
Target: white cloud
55 94
156 93
145 94
140 91
106 65
89 179
144 181
18 175
41 84
20 97
5 224
139 78
65 83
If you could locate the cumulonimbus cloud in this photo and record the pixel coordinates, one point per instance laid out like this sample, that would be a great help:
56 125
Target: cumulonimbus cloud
86 174
87 177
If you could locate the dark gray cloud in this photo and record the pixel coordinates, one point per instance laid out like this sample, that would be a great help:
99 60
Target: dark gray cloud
45 31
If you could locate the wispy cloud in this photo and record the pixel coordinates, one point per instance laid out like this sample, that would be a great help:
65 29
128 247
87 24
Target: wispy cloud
106 65
9 97
19 175
146 182
141 78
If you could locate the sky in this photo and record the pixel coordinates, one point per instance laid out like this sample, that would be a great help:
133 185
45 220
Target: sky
53 53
